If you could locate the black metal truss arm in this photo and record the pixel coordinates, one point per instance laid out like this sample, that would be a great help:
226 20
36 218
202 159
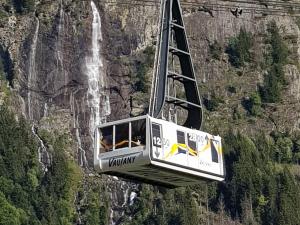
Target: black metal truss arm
173 42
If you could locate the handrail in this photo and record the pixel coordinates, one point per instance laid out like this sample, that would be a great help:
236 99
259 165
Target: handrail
119 144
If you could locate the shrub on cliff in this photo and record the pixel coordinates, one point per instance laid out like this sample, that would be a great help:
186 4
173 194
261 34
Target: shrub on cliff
253 104
212 102
6 66
215 50
143 65
24 6
238 48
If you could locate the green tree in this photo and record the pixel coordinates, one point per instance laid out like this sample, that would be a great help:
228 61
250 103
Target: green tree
97 209
28 194
276 59
239 47
10 215
143 65
284 147
288 199
253 104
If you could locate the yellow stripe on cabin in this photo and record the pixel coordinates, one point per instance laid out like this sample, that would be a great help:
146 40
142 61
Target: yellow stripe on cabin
174 149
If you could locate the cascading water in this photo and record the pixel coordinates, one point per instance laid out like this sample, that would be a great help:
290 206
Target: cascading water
45 110
74 109
59 44
32 71
122 195
43 154
81 151
132 197
98 99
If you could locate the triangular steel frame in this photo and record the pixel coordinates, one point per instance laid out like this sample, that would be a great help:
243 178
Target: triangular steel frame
173 42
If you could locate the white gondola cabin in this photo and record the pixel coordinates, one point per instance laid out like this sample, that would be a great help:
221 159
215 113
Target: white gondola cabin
158 151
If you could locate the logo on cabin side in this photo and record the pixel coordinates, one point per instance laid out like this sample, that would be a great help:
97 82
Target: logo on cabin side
121 161
212 145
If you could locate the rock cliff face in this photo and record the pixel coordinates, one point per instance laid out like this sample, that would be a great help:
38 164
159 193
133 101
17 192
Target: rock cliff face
72 62
215 76
73 65
56 51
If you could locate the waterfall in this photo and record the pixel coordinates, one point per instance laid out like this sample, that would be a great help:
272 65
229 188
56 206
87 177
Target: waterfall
81 152
32 70
45 110
122 195
98 99
59 46
111 216
43 155
74 109
132 197
61 24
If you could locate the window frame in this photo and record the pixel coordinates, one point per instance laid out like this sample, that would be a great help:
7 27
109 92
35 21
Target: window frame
160 134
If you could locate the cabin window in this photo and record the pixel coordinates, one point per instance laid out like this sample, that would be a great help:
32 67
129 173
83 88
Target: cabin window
156 135
214 152
138 133
180 137
106 139
125 135
122 136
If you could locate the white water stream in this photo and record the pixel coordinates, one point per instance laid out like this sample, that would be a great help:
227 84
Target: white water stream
81 151
74 109
98 100
43 155
59 45
32 70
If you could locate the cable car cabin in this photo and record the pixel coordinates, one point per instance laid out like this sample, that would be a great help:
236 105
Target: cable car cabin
157 151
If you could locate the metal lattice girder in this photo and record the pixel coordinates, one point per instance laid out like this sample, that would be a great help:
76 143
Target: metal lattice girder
173 43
